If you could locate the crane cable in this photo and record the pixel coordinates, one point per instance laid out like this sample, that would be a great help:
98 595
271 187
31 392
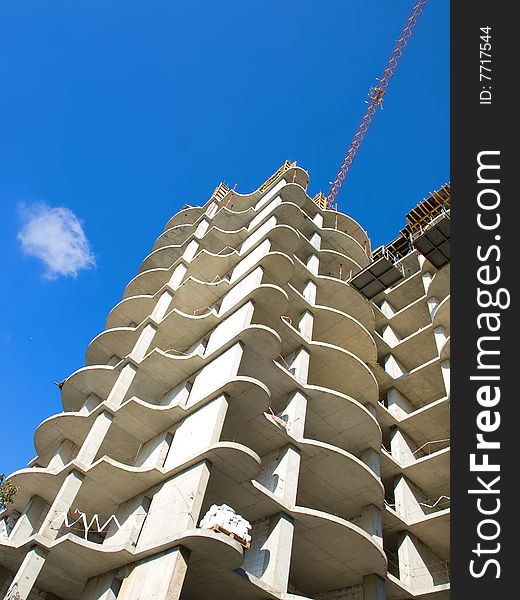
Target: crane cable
376 96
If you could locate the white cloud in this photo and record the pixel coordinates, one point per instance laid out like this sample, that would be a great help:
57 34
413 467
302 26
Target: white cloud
55 236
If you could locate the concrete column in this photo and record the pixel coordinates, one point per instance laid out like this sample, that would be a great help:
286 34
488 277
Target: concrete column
433 303
216 373
440 338
257 235
390 336
90 404
25 578
153 453
131 516
305 324
313 264
278 548
27 522
387 309
230 326
242 289
372 459
372 409
309 292
94 439
163 304
371 522
190 251
175 505
100 588
393 367
143 343
121 386
264 212
401 446
286 474
177 276
406 499
251 260
373 587
158 577
202 227
445 370
426 281
316 240
398 405
50 527
295 411
414 561
318 219
63 455
298 363
270 194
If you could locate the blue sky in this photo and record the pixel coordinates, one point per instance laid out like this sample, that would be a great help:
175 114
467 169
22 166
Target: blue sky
117 112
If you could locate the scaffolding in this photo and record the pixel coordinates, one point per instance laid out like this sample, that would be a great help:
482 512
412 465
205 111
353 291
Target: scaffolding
285 167
424 216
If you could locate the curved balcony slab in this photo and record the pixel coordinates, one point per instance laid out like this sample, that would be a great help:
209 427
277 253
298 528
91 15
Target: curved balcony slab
131 310
432 529
91 559
112 482
178 329
108 482
407 320
397 590
142 421
421 386
441 316
336 220
330 326
429 422
335 264
341 420
186 216
174 236
340 295
440 284
98 379
412 351
334 481
204 265
331 415
229 219
405 291
332 366
215 241
333 326
159 371
347 322
430 473
194 296
335 239
342 552
204 581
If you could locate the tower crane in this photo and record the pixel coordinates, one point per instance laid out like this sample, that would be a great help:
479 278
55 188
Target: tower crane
376 96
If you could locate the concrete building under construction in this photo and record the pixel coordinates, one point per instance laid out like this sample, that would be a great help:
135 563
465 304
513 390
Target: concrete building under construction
265 416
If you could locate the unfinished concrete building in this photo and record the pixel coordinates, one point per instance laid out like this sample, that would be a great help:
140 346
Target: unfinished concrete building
266 360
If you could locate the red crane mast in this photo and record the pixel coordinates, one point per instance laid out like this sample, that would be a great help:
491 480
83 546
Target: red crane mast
376 96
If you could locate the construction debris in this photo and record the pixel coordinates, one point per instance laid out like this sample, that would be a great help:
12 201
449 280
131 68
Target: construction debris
224 519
